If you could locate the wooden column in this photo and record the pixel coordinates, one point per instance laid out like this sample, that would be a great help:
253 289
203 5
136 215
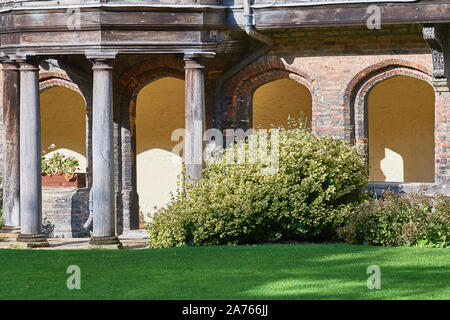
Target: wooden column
30 154
194 114
102 152
11 150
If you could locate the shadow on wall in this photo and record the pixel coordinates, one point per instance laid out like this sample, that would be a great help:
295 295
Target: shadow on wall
159 111
158 174
401 131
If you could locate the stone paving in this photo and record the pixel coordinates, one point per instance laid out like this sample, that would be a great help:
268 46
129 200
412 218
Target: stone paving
136 239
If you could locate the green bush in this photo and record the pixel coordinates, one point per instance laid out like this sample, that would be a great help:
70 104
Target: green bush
400 220
318 183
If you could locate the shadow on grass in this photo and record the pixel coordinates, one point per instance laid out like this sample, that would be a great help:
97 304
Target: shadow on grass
241 272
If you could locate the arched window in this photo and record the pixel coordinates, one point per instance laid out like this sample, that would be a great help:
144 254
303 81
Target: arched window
159 111
273 102
63 123
401 130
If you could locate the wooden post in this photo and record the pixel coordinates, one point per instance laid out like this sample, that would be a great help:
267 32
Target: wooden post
30 155
11 150
194 114
102 152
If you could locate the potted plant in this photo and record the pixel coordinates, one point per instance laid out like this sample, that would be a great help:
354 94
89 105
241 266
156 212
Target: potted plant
59 171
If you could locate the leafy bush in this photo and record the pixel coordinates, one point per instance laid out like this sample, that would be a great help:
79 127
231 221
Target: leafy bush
317 184
400 220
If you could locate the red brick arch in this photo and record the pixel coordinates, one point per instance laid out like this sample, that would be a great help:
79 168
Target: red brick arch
48 80
139 81
357 92
378 68
238 92
128 85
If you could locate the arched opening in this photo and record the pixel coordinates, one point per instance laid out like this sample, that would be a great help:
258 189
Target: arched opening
63 124
159 111
401 131
275 101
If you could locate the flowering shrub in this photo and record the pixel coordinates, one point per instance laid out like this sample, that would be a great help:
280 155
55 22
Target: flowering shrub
59 164
400 220
316 186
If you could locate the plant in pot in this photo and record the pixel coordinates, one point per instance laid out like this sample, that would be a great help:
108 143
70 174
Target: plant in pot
59 170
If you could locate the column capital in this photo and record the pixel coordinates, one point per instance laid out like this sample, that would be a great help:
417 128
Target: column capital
194 60
101 60
441 85
8 64
437 36
27 62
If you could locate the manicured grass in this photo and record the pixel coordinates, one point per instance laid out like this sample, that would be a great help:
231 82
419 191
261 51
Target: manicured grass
242 272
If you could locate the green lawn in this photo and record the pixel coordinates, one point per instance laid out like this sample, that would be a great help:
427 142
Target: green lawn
241 272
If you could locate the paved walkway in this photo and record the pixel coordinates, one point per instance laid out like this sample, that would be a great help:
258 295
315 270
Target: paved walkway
136 239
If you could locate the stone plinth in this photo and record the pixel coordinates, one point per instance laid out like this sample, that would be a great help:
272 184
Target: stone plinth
64 211
9 233
28 245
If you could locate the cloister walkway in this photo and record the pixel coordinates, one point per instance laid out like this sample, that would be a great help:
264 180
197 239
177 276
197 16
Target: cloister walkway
136 239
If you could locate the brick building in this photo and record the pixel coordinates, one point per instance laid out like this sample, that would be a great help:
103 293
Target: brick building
374 73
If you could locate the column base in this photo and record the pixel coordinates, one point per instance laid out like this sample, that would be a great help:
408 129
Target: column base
30 241
28 245
10 229
40 237
106 246
9 232
108 240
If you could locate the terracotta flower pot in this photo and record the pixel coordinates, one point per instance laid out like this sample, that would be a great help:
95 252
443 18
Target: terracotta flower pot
59 181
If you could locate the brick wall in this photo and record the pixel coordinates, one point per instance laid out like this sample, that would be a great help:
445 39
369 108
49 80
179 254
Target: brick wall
327 60
64 211
338 65
442 137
